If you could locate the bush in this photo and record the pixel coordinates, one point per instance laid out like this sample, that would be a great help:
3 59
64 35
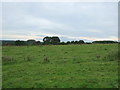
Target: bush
7 59
112 56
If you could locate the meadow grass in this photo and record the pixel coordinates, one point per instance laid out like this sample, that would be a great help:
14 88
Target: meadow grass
69 66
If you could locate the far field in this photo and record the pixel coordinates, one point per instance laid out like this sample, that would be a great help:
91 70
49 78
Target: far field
69 66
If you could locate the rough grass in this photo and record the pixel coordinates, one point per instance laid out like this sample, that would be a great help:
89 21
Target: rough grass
69 66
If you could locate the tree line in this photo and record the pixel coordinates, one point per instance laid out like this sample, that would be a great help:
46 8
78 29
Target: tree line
51 41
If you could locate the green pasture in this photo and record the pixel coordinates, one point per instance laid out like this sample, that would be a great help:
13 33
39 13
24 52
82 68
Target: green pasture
69 66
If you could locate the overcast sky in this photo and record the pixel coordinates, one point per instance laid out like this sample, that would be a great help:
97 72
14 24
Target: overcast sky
70 21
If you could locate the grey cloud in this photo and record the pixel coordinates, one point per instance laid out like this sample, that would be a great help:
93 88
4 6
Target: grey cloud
98 20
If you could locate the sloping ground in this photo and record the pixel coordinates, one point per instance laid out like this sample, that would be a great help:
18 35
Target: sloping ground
69 66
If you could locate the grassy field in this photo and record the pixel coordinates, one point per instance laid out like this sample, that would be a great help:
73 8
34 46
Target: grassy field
70 66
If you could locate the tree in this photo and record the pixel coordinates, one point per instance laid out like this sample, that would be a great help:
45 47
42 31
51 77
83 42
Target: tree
76 42
105 42
72 42
31 42
81 42
68 42
19 43
47 40
63 43
38 43
55 40
88 43
51 40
